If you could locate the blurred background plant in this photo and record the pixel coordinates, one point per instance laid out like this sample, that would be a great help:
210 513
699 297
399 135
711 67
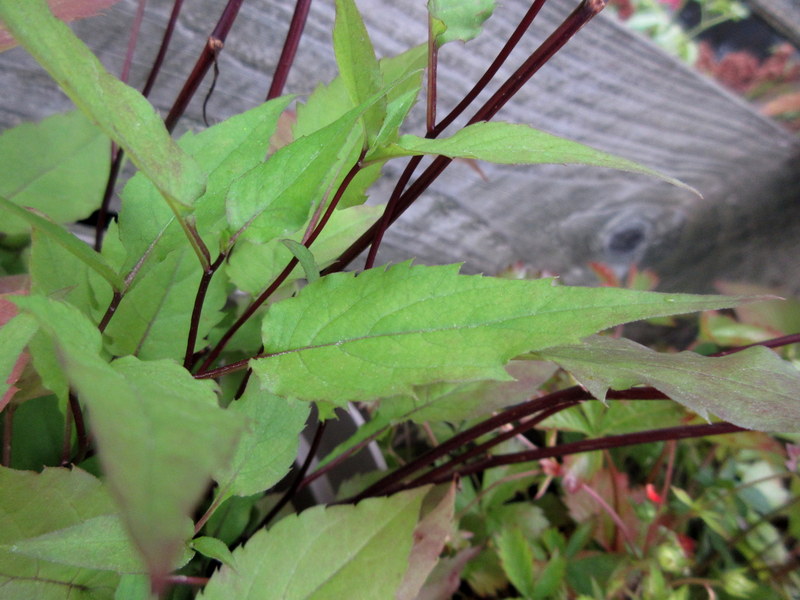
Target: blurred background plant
722 39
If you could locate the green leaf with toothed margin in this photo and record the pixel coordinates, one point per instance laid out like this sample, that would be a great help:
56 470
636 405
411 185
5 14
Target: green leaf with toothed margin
325 553
380 333
754 388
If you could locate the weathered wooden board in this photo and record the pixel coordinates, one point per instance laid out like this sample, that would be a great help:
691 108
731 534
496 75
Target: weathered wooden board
608 88
782 15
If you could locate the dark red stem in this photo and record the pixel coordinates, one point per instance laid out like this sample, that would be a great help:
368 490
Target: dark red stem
197 311
204 62
290 46
611 441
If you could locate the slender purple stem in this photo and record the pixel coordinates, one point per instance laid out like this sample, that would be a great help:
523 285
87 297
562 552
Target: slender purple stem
290 46
80 427
8 431
197 310
162 50
112 308
204 62
433 59
604 443
478 450
777 342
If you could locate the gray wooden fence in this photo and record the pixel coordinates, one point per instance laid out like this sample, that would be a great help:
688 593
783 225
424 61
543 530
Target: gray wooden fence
609 88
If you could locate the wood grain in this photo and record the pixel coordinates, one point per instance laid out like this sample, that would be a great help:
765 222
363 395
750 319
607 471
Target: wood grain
608 88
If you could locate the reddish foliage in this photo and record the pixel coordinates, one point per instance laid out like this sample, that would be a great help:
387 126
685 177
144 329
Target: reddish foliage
744 73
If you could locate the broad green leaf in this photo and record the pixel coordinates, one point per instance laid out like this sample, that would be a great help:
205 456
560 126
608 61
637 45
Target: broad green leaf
517 560
754 388
153 319
380 333
226 151
67 241
358 66
252 266
595 420
14 336
430 535
460 20
120 111
268 446
510 143
58 166
36 504
99 543
304 257
160 434
325 553
276 198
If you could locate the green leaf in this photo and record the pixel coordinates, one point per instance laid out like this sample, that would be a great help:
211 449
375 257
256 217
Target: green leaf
304 257
160 434
325 553
268 446
517 560
122 112
14 336
253 266
755 388
402 76
459 19
67 241
549 579
510 143
226 151
358 66
381 333
58 166
35 504
276 198
99 543
214 548
153 319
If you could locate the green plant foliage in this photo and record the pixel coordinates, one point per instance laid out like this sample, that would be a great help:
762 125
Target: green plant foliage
511 143
67 241
358 66
157 418
152 320
57 166
756 384
120 111
326 553
517 560
276 198
37 504
460 20
268 446
375 327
